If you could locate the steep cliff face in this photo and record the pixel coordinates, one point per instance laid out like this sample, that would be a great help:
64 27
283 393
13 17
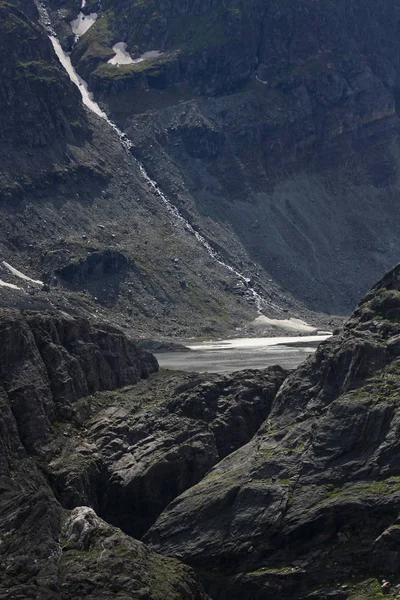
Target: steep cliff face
310 505
135 451
39 107
47 362
274 126
307 509
72 444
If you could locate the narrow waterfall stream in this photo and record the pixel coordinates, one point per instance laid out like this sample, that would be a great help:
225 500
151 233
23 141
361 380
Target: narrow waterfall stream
87 98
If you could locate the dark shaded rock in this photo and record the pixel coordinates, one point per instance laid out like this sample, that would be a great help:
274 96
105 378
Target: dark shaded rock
49 361
46 363
98 561
49 112
138 454
313 499
48 554
97 265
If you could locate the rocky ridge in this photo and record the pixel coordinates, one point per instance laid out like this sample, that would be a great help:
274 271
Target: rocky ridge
309 507
290 483
47 363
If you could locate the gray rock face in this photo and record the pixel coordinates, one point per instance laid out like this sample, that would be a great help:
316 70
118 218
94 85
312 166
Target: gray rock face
49 361
135 457
272 127
50 113
51 554
313 499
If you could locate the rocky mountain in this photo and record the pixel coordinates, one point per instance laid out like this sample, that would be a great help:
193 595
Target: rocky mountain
255 485
81 433
309 507
247 161
273 126
78 214
272 129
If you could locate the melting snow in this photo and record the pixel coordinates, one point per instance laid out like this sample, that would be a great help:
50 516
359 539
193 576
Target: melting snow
122 57
9 285
87 98
80 83
291 324
82 23
21 275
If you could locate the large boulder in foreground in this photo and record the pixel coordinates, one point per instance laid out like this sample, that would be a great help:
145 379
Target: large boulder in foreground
309 508
51 554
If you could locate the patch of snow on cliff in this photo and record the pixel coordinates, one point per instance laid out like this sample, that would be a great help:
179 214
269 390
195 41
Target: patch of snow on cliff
21 275
122 56
291 324
80 83
83 23
9 285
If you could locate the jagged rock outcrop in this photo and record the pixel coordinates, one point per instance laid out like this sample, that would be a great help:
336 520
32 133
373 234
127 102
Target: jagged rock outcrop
146 446
99 561
309 508
50 554
46 553
48 361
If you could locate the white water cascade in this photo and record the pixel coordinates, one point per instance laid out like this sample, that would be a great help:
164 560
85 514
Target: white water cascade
88 100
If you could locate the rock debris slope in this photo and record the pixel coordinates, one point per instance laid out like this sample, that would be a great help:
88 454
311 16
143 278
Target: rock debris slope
273 125
309 508
77 213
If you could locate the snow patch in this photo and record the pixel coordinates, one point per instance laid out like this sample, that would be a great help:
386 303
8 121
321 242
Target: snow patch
83 23
87 97
122 56
21 275
9 285
291 324
247 343
261 80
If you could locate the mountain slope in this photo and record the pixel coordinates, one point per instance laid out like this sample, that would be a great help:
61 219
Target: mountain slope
275 127
78 214
309 508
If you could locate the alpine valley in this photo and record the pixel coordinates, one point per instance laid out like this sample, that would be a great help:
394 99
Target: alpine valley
175 169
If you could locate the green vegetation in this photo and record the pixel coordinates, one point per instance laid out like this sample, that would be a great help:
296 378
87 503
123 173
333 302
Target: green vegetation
37 70
370 589
97 42
192 33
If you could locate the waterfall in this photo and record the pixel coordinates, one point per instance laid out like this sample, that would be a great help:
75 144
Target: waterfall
92 105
